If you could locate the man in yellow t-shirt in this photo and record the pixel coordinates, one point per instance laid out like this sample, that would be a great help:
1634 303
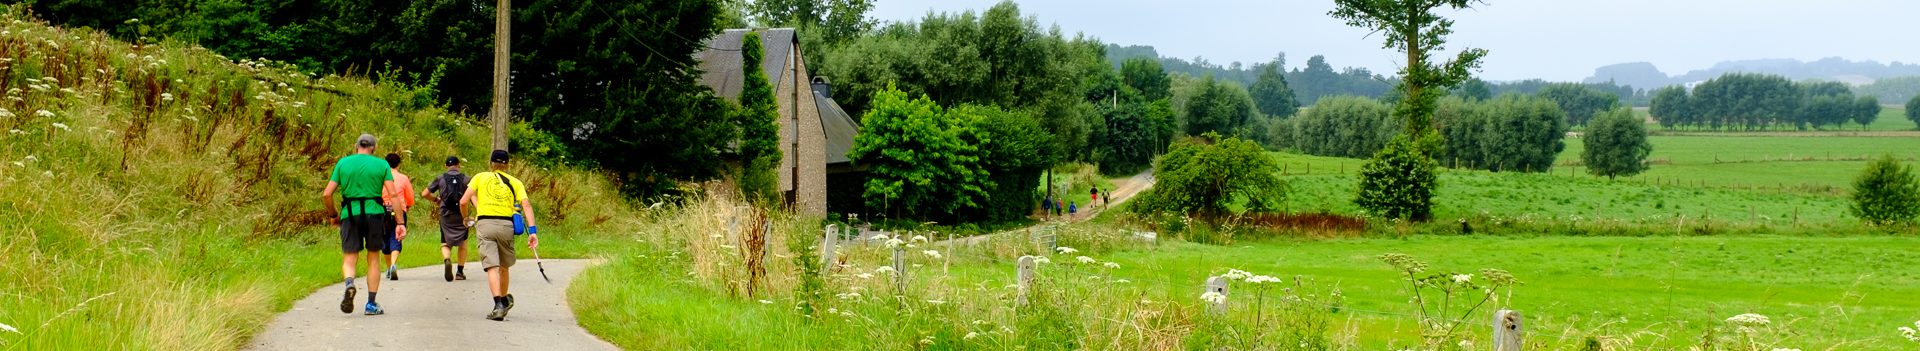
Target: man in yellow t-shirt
493 197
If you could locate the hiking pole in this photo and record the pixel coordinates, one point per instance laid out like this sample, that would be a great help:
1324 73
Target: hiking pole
543 268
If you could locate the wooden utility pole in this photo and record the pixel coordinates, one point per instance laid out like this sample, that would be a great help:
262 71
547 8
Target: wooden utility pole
501 38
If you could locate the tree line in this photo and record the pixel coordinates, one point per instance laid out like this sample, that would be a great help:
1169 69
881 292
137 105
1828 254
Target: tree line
1749 102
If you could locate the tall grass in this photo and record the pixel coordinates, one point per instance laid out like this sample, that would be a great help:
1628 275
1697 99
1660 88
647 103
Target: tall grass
165 197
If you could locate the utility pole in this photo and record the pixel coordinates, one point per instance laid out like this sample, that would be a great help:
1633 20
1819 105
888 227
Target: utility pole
501 38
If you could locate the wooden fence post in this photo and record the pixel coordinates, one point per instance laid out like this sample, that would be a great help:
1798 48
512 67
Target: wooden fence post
827 245
1023 273
900 269
1218 285
1507 331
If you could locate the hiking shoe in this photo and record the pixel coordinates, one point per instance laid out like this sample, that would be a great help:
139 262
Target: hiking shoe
460 276
393 274
509 301
373 309
499 313
446 269
346 304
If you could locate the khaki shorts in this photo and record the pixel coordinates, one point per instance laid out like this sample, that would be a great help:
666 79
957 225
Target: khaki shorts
496 243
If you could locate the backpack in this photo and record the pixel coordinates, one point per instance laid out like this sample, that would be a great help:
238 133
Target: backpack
453 185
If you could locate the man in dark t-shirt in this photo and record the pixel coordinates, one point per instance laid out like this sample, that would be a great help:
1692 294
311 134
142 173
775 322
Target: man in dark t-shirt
445 193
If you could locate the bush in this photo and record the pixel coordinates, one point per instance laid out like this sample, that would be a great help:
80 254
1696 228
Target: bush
1509 133
1398 182
1208 174
1344 126
1886 193
1616 145
1913 110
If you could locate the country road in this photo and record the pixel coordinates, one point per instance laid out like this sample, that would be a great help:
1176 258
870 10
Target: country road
425 312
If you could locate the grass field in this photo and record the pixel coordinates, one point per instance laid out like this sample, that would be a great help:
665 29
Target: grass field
1760 161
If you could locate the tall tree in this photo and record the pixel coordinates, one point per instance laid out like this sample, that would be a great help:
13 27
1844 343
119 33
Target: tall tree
1671 106
1220 107
1581 102
757 119
1146 75
1474 89
1315 81
919 162
1616 145
1412 27
835 21
1271 94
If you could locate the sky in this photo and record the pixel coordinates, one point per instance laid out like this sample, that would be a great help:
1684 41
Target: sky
1556 40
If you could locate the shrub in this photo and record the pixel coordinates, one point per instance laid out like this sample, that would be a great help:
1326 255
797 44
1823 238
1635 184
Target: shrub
1205 175
1886 193
1398 182
759 133
1616 145
1913 109
1344 126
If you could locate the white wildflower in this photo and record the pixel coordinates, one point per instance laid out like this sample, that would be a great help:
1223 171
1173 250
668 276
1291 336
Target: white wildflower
1749 319
970 336
15 131
892 243
1121 281
766 302
1236 274
937 302
920 238
63 127
4 326
166 96
50 80
1262 279
884 270
1112 265
1213 297
1065 250
43 113
68 91
1086 260
30 158
932 253
1462 278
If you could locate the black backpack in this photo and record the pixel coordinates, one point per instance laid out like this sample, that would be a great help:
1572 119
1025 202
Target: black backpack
453 184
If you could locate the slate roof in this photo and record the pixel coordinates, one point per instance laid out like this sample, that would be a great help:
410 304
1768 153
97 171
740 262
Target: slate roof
838 126
720 60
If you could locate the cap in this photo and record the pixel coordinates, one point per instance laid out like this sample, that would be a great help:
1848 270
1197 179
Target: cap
499 156
366 140
453 160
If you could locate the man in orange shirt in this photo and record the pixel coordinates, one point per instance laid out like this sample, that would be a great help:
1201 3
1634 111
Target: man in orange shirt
399 198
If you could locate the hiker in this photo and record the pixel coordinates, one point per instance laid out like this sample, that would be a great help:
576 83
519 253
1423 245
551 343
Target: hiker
399 199
1093 196
445 193
493 197
363 219
1073 208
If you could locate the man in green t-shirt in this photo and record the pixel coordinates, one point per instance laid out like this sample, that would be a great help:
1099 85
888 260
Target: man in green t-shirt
364 222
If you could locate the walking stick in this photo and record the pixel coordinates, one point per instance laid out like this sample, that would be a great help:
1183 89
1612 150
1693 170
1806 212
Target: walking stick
543 268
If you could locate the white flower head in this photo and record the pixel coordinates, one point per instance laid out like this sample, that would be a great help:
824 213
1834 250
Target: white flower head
1236 274
884 270
4 326
970 336
766 302
1039 260
1462 278
1262 279
1086 260
892 243
63 127
1121 281
166 96
1213 297
1065 250
43 113
919 238
932 253
1113 265
1749 319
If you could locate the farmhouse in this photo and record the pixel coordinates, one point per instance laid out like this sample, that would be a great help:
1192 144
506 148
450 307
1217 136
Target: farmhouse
815 134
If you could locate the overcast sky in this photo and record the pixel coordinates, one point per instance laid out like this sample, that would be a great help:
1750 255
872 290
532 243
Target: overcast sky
1551 39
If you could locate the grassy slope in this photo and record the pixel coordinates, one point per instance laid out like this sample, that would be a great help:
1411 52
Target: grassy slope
191 246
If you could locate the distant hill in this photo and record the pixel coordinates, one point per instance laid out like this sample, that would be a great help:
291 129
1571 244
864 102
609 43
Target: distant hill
1645 75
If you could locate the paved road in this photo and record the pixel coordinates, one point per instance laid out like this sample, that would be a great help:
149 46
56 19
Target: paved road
425 312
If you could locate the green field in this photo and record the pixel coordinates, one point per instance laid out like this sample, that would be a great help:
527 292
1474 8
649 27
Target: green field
1760 161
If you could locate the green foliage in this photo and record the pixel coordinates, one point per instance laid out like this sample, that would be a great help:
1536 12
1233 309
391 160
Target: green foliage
1217 107
1399 181
1886 193
920 163
1748 101
1344 126
1913 110
1670 106
1509 133
1474 90
1318 80
1864 110
1271 94
1616 145
1145 75
756 118
1208 174
835 21
1581 102
1411 27
998 58
1014 150
1131 140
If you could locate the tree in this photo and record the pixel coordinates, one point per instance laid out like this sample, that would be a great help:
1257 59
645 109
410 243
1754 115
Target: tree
1316 80
1220 107
1579 101
1474 90
1401 182
1886 193
1671 106
1129 144
1014 150
1344 126
920 164
1913 110
1865 110
1271 94
1616 145
835 21
759 129
1146 75
1398 182
1207 174
1509 133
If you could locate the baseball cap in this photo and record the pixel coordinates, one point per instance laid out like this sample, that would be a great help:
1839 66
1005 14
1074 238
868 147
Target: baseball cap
499 156
366 140
453 160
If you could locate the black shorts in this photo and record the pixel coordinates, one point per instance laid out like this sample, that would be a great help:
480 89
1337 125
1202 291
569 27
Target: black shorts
365 232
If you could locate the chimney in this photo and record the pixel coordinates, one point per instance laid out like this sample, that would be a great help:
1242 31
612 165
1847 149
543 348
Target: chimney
823 87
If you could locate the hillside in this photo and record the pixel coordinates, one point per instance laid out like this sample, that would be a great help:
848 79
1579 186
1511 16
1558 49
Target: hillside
165 197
